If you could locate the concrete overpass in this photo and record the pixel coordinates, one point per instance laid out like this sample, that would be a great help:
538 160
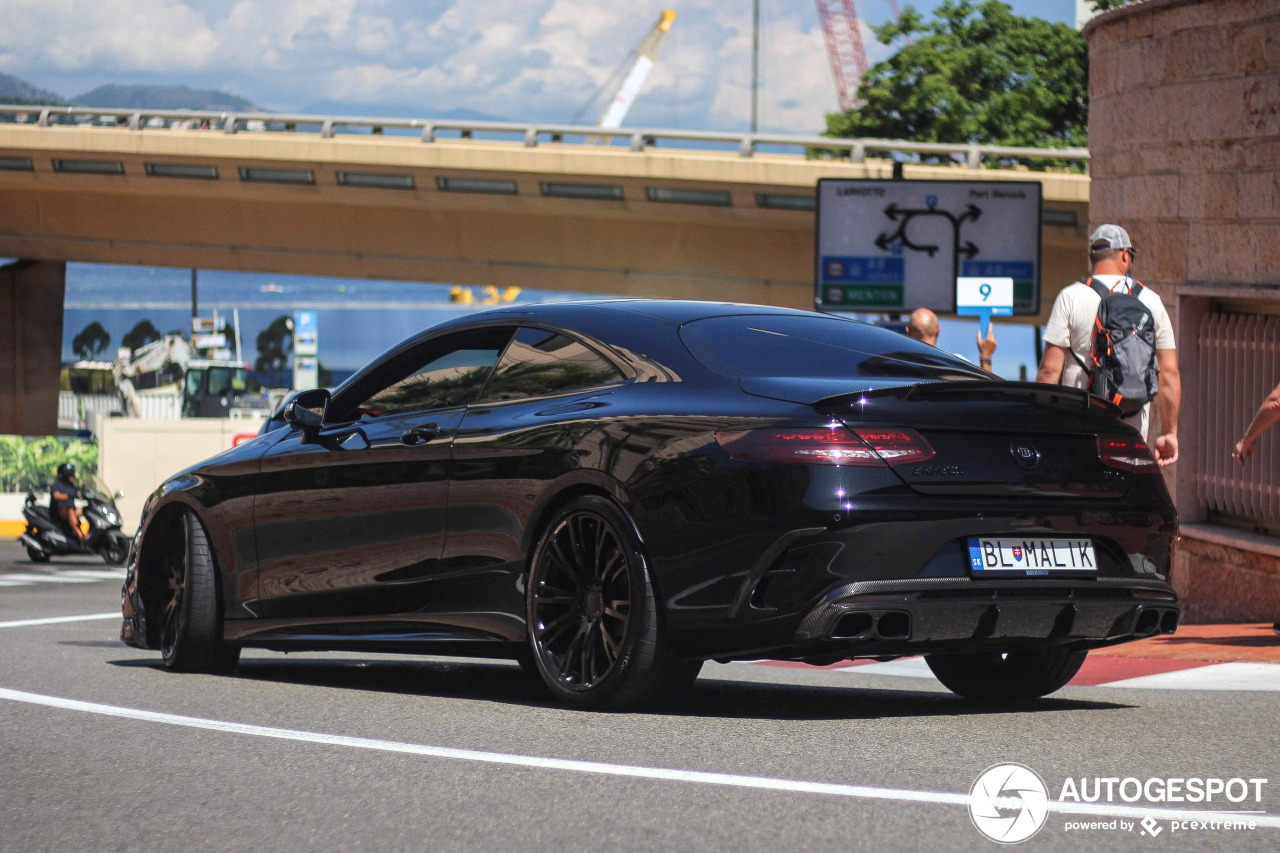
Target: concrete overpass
400 199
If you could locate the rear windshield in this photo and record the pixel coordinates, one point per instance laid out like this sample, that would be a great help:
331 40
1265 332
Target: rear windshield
816 346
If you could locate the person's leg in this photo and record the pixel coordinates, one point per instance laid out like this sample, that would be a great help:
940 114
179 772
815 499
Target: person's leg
71 516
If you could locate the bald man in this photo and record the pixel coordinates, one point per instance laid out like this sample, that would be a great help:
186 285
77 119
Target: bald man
924 327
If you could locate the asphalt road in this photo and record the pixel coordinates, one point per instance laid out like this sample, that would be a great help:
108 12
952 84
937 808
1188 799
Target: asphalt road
103 750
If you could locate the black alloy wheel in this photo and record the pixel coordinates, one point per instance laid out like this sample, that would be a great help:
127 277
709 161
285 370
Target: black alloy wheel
593 621
190 624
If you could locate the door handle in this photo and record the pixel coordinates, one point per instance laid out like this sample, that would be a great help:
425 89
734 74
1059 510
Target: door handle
419 434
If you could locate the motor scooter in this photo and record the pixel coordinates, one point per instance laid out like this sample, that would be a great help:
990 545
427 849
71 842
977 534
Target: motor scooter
50 536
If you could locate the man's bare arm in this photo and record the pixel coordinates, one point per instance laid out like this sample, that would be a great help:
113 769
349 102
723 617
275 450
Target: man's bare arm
1166 444
1051 364
1268 415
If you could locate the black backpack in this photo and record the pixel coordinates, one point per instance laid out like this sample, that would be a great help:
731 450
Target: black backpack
1122 366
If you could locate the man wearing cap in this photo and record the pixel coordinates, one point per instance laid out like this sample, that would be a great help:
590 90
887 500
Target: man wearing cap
1070 330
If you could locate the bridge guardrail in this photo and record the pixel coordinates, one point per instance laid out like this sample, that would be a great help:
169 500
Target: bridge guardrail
530 134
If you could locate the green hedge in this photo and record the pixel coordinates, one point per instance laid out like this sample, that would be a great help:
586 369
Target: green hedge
32 461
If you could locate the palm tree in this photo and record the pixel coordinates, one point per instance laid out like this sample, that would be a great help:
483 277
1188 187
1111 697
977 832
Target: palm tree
91 341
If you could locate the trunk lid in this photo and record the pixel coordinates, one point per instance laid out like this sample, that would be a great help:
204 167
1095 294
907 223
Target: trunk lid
989 438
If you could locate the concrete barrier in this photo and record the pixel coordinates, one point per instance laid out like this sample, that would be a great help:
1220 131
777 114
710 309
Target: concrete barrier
135 456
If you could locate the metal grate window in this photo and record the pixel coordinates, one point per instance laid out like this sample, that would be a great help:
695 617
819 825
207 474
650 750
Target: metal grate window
1240 364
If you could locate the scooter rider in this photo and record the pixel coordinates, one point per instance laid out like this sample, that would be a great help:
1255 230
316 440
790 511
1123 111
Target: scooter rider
62 498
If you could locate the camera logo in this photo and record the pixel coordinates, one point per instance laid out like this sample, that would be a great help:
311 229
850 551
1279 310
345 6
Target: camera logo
1008 803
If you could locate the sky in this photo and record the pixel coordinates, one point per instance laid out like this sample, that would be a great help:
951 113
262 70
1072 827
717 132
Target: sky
518 60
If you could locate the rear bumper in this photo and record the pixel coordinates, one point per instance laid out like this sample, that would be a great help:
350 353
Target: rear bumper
940 615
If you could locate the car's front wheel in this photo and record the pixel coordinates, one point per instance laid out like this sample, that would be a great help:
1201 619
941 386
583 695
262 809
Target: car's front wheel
594 628
190 624
1006 677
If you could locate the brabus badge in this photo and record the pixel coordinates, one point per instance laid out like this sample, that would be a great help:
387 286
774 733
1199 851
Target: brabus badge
1025 454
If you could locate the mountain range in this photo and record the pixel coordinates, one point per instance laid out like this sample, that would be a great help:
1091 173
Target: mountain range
14 90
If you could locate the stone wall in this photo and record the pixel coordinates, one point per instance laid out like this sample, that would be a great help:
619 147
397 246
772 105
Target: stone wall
1184 137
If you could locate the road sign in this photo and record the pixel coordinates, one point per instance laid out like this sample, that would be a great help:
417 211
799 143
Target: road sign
306 347
894 246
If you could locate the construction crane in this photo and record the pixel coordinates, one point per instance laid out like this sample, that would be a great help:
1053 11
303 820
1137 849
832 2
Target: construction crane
844 48
637 68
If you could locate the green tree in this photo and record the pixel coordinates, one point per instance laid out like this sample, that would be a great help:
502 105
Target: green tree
975 73
275 346
92 340
275 352
140 335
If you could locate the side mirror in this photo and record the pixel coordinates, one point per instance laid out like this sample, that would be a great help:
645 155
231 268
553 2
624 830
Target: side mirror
119 495
306 411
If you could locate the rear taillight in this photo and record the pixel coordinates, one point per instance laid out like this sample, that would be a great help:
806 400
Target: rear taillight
896 446
833 445
1127 454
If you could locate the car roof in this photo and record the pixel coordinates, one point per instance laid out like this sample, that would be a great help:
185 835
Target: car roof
676 311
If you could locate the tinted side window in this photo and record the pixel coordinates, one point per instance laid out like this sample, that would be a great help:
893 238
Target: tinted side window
817 346
539 362
444 373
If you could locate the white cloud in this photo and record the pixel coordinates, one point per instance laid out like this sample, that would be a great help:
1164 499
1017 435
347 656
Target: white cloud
518 59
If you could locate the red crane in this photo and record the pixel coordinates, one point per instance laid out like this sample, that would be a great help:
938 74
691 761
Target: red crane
844 48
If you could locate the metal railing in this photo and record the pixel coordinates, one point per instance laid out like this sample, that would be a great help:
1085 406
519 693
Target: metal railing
530 134
1239 365
74 410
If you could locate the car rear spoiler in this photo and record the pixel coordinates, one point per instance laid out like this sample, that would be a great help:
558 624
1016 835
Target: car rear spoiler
1036 392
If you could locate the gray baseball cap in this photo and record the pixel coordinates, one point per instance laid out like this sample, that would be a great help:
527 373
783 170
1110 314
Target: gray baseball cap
1110 237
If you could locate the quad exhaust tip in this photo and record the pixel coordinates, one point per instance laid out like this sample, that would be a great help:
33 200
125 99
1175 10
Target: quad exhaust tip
892 625
1153 620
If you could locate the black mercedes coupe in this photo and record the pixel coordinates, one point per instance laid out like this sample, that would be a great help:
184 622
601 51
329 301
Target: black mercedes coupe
613 492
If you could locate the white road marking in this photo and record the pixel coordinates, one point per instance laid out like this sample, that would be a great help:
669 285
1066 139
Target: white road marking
56 620
33 578
1247 676
603 769
1237 675
96 574
909 667
62 576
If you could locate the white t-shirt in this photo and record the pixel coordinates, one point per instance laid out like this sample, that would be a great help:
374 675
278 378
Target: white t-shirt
1071 326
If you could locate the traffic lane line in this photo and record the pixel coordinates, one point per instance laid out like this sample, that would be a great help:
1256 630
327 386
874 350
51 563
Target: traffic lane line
40 578
662 774
57 620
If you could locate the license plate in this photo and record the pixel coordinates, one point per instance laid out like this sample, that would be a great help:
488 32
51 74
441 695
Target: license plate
1031 557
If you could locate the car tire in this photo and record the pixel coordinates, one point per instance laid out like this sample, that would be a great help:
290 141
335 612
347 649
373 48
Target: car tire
37 556
595 634
191 625
1007 677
